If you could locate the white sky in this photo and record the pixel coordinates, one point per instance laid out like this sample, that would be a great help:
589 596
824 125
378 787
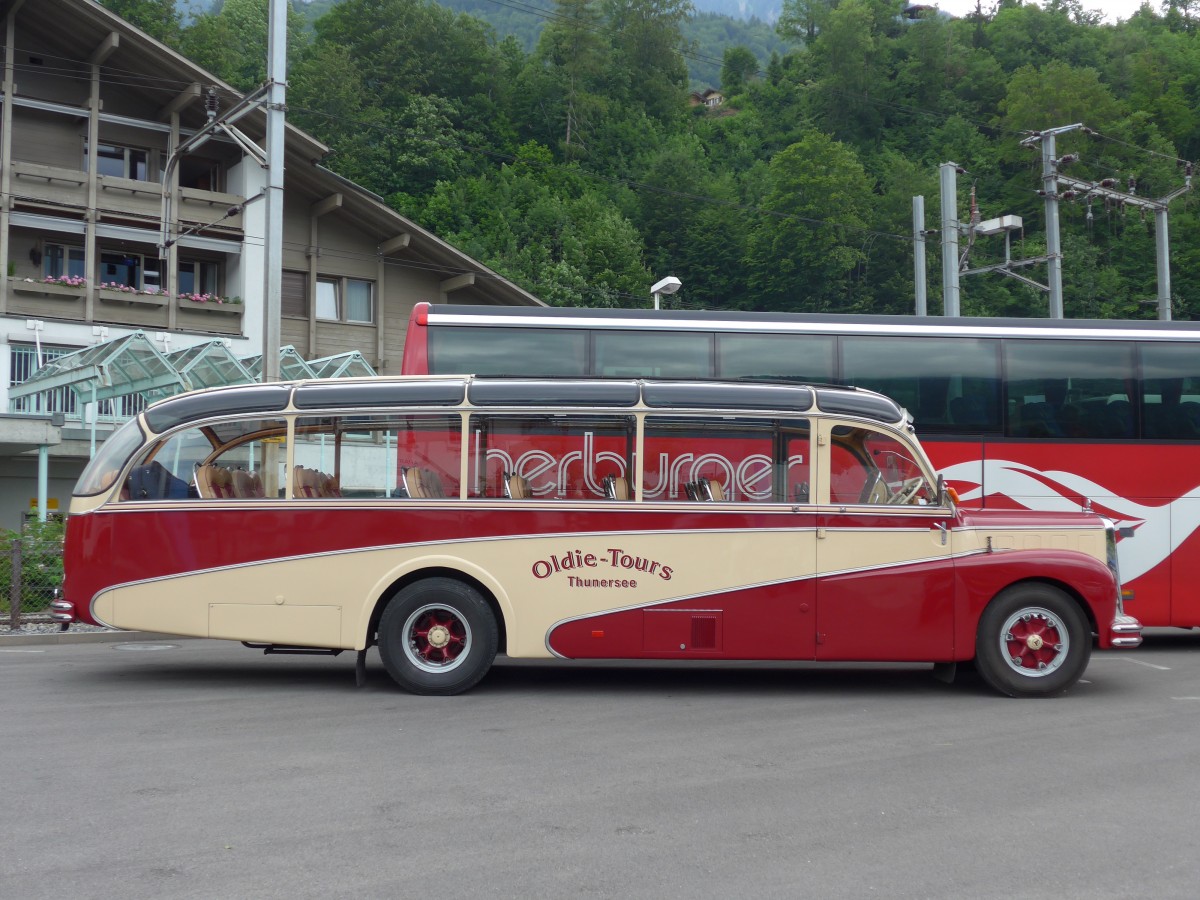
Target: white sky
1112 9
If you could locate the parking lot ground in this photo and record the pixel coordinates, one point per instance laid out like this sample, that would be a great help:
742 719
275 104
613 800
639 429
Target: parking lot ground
193 768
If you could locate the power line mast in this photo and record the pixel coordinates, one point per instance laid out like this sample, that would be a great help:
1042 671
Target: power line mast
954 265
273 236
1076 188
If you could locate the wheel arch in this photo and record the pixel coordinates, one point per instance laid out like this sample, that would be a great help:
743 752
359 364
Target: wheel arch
479 581
1066 587
983 577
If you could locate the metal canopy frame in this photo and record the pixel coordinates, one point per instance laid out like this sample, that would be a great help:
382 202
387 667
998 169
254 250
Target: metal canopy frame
117 368
211 364
132 365
292 366
351 364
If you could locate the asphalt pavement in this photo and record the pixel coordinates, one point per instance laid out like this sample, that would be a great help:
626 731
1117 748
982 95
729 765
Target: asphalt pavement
164 767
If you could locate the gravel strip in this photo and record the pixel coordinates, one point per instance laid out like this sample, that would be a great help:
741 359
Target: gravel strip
50 628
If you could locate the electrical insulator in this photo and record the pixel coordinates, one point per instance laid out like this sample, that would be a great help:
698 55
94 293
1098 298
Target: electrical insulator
1068 159
1068 195
1108 182
1132 185
211 102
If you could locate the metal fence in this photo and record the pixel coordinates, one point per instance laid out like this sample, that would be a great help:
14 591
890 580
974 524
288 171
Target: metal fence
31 577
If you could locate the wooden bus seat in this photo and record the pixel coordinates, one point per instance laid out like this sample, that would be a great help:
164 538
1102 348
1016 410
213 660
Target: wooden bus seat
712 490
516 487
243 484
414 482
616 487
306 483
214 482
327 486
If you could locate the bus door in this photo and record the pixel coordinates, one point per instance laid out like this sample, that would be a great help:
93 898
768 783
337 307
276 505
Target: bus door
885 580
743 530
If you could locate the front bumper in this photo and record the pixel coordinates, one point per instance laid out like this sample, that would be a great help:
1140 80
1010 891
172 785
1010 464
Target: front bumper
1125 631
64 611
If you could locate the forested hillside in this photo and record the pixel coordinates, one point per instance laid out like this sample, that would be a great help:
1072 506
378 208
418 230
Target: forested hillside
578 168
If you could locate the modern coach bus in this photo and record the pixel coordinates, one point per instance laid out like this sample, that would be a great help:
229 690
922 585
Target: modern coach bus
1015 413
445 519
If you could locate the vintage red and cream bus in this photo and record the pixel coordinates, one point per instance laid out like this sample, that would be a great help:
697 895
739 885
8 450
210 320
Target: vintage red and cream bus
1015 413
445 519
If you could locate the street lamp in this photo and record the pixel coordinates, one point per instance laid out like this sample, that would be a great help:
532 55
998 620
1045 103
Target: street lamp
668 285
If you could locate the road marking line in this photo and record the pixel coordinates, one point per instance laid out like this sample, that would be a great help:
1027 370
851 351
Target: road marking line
1140 662
6 650
1185 698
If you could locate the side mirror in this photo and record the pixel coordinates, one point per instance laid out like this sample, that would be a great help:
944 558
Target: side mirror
944 495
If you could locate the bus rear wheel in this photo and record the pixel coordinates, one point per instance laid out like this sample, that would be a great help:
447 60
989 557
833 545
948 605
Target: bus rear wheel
438 636
1033 640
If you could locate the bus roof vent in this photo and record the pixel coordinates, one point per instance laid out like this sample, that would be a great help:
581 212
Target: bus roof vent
222 401
536 392
357 394
859 403
715 395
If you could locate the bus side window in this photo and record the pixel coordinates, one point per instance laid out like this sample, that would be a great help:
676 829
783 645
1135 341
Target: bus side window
723 459
551 457
374 456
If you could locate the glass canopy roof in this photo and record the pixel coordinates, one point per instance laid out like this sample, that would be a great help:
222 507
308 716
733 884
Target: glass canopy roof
292 366
127 365
133 365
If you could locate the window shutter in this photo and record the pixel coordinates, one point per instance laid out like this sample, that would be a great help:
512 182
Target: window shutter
294 294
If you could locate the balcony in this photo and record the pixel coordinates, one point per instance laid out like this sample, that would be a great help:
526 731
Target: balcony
51 188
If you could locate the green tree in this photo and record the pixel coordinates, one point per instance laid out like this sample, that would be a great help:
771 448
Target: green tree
807 250
738 65
158 18
802 19
649 71
575 55
545 227
232 43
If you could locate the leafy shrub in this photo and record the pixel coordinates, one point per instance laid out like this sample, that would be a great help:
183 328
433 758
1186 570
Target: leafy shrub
41 564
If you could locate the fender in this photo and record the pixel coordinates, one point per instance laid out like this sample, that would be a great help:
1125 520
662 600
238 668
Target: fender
983 575
448 563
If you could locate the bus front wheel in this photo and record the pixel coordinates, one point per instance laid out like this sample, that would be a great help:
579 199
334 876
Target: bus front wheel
438 636
1033 640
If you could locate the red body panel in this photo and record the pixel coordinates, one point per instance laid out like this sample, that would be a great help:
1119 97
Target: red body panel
771 622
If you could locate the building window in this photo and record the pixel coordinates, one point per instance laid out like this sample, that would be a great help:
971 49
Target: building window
360 306
23 363
328 306
119 162
59 260
337 299
121 269
199 277
294 299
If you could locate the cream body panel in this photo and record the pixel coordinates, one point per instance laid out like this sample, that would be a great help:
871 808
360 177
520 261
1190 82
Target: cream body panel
1084 539
307 626
699 563
853 549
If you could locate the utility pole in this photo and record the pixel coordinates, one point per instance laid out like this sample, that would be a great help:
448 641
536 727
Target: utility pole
1077 188
948 179
918 205
1050 191
273 238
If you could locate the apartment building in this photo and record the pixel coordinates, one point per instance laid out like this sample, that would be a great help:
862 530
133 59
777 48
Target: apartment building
94 115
